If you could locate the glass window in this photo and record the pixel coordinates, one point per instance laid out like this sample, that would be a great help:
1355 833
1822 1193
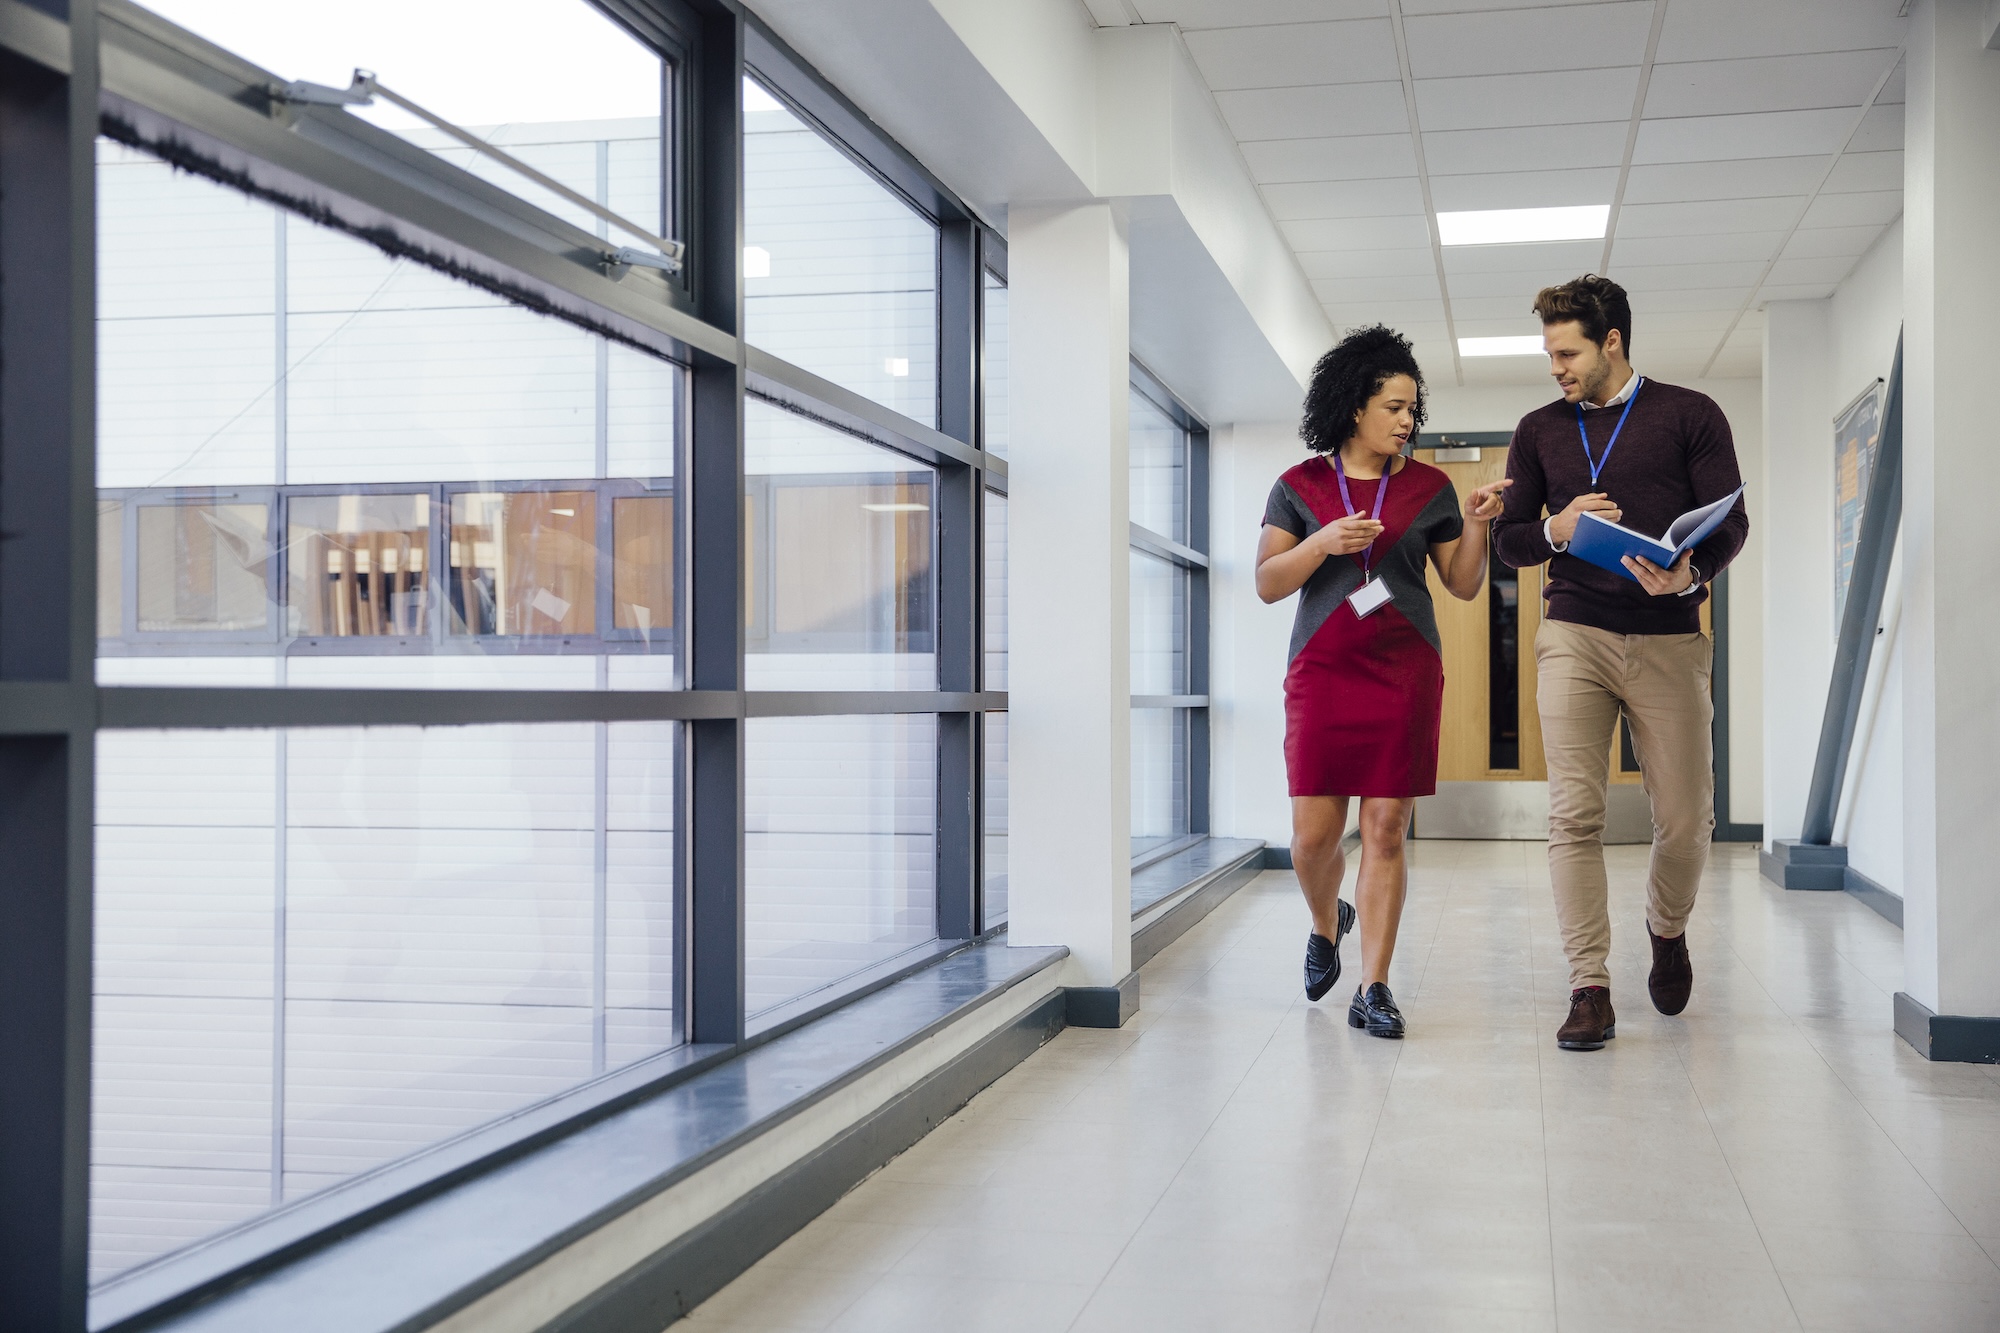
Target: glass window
319 951
448 471
359 565
996 590
1158 459
840 847
523 562
995 806
558 85
993 384
1159 777
840 273
841 591
1158 625
204 566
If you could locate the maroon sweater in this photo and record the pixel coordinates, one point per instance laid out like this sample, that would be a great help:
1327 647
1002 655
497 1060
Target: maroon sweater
1674 454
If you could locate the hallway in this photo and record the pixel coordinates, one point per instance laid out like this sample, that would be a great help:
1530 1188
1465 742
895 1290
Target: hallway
1236 1158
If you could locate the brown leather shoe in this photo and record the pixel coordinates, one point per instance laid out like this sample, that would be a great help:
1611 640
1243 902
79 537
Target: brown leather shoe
1673 975
1590 1023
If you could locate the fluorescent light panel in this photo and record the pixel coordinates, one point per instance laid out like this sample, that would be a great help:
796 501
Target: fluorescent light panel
1527 344
1517 226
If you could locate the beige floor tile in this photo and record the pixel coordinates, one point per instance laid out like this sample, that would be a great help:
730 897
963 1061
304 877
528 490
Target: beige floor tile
1836 1304
1240 1159
905 1303
1867 1255
830 1245
1177 1310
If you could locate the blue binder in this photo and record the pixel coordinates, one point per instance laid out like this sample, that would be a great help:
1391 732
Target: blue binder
1606 544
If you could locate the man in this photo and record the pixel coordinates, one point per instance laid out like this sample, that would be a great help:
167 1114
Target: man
1640 453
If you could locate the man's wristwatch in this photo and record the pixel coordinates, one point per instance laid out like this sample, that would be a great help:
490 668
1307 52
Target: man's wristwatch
1694 580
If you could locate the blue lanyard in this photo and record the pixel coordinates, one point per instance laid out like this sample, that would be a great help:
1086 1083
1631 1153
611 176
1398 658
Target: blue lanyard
1597 464
1381 490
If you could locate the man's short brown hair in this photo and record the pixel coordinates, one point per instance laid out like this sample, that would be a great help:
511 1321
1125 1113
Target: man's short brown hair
1598 304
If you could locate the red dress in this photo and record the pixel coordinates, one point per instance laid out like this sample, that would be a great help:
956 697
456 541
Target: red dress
1364 697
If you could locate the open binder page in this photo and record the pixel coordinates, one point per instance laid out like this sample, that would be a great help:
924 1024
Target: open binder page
1691 527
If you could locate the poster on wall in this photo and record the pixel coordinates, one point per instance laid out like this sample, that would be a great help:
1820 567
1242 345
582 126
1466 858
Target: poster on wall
1857 438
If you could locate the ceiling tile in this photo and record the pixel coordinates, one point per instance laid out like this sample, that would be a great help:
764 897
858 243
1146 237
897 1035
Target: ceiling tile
1521 41
1881 131
1648 303
1355 157
1866 171
1829 269
1367 263
1759 134
1795 291
1562 259
1468 6
1493 100
1710 215
1193 14
1519 285
1687 277
1294 54
1298 113
1766 83
1746 178
1392 313
1694 249
1517 311
1524 189
1517 322
1462 152
1711 322
1858 209
1358 233
1719 29
1893 91
1357 291
1822 242
1344 199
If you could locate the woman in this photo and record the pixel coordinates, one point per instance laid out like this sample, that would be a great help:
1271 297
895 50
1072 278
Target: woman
1352 527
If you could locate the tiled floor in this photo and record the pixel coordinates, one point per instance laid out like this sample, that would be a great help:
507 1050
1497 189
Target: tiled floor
1238 1159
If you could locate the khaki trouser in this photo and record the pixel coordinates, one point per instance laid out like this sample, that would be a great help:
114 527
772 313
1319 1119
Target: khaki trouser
1661 682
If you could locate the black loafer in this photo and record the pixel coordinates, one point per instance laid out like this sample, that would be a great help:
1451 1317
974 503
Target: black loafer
1375 1010
1323 955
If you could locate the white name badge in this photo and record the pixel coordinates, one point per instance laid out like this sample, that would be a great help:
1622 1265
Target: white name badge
1370 597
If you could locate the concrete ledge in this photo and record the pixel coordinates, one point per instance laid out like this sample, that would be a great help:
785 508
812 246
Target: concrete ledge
1793 864
674 1281
1947 1037
620 1204
1157 929
1103 1006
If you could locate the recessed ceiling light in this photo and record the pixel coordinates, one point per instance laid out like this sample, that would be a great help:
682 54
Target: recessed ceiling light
1526 344
1514 226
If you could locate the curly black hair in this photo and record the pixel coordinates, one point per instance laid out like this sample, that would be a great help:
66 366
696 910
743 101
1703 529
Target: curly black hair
1351 374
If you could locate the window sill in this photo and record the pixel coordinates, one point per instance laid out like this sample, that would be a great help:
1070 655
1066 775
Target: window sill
424 1248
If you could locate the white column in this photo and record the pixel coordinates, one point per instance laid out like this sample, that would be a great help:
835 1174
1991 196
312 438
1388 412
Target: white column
1069 736
1797 509
1951 601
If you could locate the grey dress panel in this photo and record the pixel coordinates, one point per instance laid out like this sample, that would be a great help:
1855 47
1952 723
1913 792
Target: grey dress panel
1401 566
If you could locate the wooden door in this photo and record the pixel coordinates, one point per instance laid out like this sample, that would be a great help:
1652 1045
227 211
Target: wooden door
1469 747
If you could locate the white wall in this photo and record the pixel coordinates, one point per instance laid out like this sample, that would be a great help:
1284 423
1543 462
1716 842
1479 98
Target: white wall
1818 356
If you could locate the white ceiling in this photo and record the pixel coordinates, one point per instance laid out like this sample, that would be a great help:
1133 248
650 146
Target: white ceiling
1757 167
